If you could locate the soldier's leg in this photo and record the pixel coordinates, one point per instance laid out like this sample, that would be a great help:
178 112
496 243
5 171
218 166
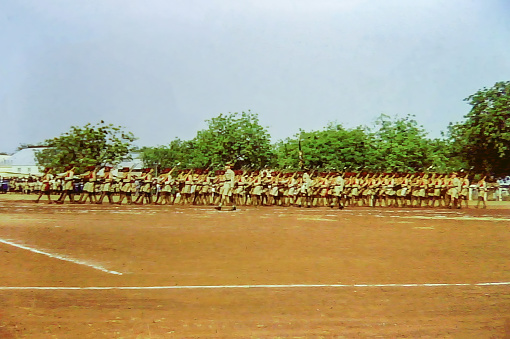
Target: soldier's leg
129 197
60 199
39 197
71 194
82 197
138 198
122 196
466 200
101 197
309 199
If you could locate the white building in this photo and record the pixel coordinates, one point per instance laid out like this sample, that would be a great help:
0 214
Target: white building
21 163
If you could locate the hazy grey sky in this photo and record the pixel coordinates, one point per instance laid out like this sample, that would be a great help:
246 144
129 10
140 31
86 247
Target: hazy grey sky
160 68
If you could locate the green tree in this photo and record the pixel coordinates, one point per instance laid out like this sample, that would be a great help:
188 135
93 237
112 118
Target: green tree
483 138
235 137
443 158
97 145
334 147
401 145
176 154
393 144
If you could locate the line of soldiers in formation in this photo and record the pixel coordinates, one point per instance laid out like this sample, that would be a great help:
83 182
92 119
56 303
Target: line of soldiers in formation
263 188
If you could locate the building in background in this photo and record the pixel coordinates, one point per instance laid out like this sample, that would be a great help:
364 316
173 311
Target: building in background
20 164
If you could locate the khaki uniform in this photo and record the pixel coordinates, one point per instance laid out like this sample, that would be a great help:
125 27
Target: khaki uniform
228 185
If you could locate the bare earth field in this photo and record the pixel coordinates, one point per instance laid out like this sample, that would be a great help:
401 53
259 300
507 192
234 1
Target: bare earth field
90 271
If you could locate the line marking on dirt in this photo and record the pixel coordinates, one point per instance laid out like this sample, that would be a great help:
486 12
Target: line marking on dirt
196 287
59 257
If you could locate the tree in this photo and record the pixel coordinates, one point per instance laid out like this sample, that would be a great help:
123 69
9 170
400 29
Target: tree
393 144
401 145
176 154
443 158
483 138
334 147
236 138
97 145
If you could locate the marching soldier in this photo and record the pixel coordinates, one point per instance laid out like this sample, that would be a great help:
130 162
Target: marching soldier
255 183
293 189
240 188
89 177
107 180
306 190
274 189
226 190
482 192
166 187
68 187
126 181
146 188
464 191
389 190
187 181
46 185
454 186
337 184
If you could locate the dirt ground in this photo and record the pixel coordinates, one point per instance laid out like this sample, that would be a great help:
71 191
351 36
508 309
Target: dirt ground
90 271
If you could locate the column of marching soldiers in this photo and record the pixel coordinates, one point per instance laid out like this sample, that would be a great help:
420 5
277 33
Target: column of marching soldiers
260 188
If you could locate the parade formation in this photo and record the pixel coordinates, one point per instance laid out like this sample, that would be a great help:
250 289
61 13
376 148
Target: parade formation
226 189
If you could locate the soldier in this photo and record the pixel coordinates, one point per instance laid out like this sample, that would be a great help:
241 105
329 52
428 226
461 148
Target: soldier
293 189
306 190
274 189
146 188
454 186
337 183
196 186
217 184
68 187
255 185
226 190
355 185
204 185
378 191
482 192
165 182
429 191
389 190
240 189
421 188
365 192
89 177
107 180
186 192
46 185
408 190
126 185
323 191
285 188
266 186
464 191
436 184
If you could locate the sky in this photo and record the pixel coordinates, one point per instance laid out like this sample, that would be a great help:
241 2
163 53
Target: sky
161 68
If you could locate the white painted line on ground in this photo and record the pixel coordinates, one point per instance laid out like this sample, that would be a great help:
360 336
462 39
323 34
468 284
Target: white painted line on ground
59 257
195 287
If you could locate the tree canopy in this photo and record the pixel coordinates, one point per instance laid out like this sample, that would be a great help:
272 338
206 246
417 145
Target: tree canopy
483 138
392 145
236 138
90 145
173 155
334 147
